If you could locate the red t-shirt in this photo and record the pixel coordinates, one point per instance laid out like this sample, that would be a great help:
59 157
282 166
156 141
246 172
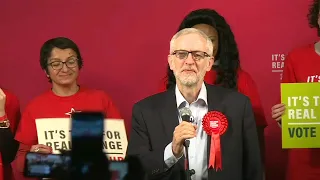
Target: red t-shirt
303 65
49 105
12 109
246 86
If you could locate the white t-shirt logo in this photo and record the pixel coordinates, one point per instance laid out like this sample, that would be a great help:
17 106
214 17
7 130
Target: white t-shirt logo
71 111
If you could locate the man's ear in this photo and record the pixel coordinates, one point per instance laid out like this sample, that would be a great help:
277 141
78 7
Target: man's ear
210 64
170 62
318 20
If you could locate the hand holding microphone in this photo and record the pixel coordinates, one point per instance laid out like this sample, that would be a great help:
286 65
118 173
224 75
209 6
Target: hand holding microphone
185 130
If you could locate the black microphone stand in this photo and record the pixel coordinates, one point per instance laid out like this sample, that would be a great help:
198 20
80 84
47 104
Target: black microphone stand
189 172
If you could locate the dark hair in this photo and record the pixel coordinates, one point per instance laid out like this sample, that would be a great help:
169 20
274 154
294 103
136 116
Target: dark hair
61 43
228 54
313 15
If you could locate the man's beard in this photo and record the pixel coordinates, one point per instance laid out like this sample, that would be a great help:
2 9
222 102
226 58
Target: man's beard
187 80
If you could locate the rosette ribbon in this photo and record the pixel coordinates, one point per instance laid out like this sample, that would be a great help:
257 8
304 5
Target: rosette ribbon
215 124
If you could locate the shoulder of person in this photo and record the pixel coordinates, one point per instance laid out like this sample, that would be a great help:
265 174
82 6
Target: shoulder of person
303 48
39 99
9 95
12 104
99 93
155 99
245 80
226 93
93 91
243 74
301 51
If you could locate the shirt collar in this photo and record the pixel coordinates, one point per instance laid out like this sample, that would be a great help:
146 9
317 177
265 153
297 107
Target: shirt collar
202 95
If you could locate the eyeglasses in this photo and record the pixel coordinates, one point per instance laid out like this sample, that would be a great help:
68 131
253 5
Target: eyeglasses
196 55
57 65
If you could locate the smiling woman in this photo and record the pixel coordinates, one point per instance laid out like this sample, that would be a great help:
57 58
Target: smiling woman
61 61
60 58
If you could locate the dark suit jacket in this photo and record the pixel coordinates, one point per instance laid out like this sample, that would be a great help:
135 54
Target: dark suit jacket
154 119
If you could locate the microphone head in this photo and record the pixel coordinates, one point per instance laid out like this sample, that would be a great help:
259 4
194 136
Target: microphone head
185 114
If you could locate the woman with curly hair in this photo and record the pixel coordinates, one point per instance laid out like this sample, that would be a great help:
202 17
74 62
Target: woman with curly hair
302 65
226 71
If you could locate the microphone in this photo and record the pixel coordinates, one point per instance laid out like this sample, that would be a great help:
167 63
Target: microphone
186 114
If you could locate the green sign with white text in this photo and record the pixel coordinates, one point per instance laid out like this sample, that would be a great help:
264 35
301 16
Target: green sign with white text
301 120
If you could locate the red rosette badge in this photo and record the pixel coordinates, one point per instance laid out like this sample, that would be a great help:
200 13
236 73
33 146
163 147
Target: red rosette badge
215 124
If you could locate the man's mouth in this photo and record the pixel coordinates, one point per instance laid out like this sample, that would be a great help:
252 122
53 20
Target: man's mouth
188 70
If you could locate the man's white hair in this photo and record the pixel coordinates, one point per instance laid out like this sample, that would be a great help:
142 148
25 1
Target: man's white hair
192 31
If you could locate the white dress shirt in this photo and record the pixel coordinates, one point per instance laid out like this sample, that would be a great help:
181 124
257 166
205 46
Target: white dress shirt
198 144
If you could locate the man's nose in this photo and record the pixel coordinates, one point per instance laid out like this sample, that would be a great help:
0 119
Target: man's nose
189 59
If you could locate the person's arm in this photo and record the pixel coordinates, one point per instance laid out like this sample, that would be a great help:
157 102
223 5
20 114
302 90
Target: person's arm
251 151
21 156
248 87
278 122
8 145
288 76
169 158
152 159
26 135
18 163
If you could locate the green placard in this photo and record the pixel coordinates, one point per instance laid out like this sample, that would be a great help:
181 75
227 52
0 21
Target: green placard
301 121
